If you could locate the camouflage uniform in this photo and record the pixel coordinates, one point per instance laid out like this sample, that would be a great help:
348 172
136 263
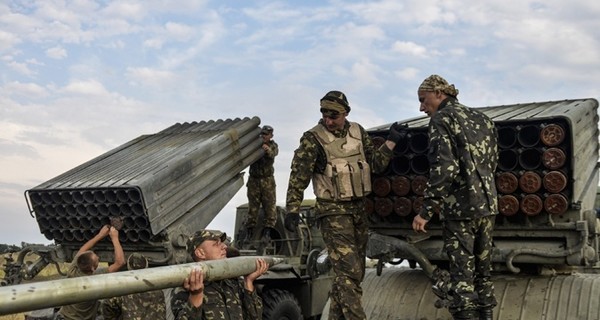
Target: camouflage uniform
138 306
223 299
463 156
261 187
343 223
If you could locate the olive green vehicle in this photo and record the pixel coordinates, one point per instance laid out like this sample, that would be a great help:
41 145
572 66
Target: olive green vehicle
546 236
162 187
159 189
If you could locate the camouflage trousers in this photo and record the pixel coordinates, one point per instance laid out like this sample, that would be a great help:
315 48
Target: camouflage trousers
468 244
346 236
261 191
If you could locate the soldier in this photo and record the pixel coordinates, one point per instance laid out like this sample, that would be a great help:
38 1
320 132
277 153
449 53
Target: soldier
261 186
137 306
463 156
224 299
86 263
339 156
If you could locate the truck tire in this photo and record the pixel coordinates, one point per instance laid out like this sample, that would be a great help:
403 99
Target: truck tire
281 305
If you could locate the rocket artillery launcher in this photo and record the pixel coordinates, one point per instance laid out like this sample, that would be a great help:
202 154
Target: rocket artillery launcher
162 187
38 295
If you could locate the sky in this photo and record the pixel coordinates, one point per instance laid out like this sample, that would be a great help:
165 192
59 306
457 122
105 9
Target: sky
79 78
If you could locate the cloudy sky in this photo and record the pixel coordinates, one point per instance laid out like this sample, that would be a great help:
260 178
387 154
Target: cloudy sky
80 77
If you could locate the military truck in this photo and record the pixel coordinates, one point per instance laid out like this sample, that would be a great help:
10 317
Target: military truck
546 248
545 242
158 189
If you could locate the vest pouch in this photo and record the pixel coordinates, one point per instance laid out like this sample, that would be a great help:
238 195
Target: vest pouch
363 178
342 179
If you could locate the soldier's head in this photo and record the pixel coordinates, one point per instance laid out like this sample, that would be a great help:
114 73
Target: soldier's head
432 91
87 262
334 110
207 245
266 133
137 261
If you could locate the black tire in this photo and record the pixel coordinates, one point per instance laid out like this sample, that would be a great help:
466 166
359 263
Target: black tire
280 305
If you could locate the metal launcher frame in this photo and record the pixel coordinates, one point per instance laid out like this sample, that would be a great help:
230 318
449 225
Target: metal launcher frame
546 178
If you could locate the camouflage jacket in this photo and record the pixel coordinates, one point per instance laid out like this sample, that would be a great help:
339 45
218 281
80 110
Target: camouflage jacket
139 306
263 167
310 158
224 299
463 155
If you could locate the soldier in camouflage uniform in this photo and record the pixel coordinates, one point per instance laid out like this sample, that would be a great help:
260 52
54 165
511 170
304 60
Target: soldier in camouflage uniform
230 299
86 263
463 156
261 186
338 156
138 306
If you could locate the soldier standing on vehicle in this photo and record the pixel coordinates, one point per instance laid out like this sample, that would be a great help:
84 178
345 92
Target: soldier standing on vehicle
86 263
230 299
462 156
338 156
138 306
261 186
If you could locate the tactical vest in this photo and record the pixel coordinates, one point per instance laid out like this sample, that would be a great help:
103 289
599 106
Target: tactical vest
347 175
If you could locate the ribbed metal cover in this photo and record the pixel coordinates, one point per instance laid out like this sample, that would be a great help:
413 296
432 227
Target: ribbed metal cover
176 179
556 297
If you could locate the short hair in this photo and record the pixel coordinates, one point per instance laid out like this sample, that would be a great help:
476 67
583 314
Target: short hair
85 262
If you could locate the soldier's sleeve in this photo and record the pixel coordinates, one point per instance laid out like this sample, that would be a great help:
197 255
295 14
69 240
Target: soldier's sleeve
302 168
251 304
273 150
111 308
182 309
378 159
443 166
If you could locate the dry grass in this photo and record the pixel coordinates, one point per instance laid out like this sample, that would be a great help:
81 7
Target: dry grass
48 273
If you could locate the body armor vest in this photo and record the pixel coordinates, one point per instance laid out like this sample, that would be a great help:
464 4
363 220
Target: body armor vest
347 175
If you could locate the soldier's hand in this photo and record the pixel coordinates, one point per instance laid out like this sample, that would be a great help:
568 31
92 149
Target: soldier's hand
291 221
419 224
114 233
194 283
261 267
397 132
104 231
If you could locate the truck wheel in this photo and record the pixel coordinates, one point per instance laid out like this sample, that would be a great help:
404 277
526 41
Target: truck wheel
280 305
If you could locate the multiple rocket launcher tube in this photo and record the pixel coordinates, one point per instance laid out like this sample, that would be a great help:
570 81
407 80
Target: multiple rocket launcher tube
531 178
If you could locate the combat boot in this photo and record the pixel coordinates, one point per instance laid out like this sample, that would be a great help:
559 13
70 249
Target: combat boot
465 315
249 234
486 314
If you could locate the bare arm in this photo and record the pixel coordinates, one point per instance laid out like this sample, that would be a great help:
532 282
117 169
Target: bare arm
92 242
118 251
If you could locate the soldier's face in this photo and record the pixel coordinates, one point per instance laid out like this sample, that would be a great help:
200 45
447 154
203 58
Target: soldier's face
211 250
266 137
334 122
430 101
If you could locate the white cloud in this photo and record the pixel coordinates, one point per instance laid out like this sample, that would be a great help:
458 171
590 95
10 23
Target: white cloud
16 88
409 48
151 77
56 52
20 67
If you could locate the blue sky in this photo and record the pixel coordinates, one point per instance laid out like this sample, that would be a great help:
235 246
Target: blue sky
78 78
